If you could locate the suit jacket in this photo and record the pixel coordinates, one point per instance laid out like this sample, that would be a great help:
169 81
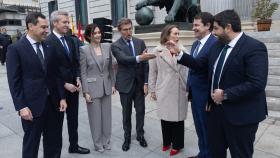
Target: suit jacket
166 76
199 78
69 64
29 83
97 79
243 79
129 70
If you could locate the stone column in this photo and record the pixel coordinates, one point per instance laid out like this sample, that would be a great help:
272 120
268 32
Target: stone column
216 6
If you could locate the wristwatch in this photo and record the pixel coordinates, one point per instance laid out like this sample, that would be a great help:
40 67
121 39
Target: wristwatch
225 96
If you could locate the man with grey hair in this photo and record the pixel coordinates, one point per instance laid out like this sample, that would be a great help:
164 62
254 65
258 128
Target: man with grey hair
132 79
69 68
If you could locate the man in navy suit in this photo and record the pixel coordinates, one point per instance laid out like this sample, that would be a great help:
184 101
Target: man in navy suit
198 79
69 68
237 72
36 87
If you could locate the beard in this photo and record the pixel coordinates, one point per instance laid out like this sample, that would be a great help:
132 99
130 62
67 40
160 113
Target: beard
224 38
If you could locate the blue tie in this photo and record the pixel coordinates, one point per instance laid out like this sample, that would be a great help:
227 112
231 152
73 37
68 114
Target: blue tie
130 47
64 45
219 66
195 53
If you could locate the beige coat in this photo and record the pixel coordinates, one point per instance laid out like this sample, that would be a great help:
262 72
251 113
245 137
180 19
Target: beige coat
168 80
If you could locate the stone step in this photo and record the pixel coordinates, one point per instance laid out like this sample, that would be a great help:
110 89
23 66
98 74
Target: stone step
274 53
273 46
274 70
274 61
273 104
266 36
273 80
272 91
274 114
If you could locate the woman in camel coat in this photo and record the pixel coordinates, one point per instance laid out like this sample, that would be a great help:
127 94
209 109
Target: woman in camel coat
167 83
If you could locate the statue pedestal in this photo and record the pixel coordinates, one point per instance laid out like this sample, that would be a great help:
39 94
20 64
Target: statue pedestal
151 33
159 27
152 39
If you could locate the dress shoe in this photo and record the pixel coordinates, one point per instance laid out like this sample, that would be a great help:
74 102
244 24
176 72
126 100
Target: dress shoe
193 157
164 148
142 141
101 150
173 152
107 147
78 150
126 144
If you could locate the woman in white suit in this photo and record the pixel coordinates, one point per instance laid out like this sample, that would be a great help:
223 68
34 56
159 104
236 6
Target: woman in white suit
97 84
167 83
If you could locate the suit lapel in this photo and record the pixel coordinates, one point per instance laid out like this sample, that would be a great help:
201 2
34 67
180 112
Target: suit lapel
59 44
193 47
168 58
136 47
31 52
214 56
46 55
125 47
233 53
104 55
94 57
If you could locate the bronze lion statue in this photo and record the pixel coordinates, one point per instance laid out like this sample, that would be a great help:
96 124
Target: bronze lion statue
177 10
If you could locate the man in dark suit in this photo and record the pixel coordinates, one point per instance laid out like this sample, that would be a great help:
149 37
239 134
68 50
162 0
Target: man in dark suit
237 72
131 79
69 68
198 79
6 41
36 88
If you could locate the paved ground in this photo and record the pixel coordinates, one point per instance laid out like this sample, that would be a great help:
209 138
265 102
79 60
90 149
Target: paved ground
267 143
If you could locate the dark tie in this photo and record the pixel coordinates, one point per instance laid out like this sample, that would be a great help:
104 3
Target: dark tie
64 45
130 47
219 67
40 55
195 53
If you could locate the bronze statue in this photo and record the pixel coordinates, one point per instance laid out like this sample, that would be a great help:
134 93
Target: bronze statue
177 10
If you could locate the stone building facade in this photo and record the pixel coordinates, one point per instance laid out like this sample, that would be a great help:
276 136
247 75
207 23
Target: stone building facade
105 8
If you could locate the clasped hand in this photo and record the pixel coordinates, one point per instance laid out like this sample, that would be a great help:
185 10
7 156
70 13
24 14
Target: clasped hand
218 96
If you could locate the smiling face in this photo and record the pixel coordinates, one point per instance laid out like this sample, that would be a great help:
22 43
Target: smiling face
61 25
96 35
39 31
174 35
200 30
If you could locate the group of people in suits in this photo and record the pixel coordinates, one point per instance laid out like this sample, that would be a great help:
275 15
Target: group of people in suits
44 79
226 84
226 110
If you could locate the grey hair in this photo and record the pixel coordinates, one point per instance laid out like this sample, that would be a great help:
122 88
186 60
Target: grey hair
123 21
55 15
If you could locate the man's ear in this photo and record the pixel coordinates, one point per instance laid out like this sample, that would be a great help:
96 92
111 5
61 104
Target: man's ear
228 27
30 25
208 25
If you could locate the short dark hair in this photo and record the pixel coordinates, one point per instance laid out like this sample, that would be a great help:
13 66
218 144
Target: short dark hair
33 18
165 33
123 21
206 18
88 31
228 17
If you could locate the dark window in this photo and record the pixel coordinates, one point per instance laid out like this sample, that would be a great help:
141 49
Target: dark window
11 22
52 5
81 12
119 10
